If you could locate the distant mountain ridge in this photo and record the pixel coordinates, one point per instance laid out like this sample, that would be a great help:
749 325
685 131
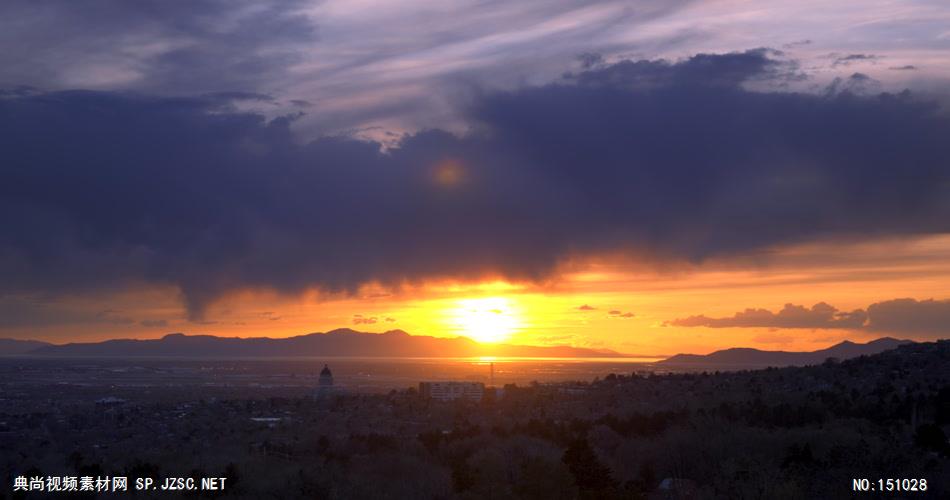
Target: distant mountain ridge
745 356
340 342
14 346
398 343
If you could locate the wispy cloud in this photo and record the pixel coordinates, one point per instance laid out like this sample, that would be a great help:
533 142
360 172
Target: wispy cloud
375 68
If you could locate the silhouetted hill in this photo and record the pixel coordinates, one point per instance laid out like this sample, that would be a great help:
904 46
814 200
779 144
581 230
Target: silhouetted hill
739 356
341 342
14 346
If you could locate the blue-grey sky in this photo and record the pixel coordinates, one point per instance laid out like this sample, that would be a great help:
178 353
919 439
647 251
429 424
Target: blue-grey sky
379 67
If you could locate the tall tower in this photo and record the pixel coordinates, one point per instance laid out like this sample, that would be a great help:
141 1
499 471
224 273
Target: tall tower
325 386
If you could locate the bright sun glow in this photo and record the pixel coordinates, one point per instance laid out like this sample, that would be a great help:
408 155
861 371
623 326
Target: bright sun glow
491 319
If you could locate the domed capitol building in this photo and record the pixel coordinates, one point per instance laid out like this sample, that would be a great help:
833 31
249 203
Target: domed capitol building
325 386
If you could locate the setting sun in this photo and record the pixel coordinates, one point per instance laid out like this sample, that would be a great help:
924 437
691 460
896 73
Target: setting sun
490 319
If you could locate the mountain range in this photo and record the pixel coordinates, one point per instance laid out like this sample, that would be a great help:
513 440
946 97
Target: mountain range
397 343
744 356
340 342
13 346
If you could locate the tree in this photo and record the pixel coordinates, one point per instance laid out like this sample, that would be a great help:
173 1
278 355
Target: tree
589 473
462 477
931 437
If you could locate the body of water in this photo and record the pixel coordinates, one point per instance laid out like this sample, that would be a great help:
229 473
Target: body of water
357 374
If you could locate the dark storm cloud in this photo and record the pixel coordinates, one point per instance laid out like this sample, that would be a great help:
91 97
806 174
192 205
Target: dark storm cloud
38 311
154 323
590 60
904 316
359 319
152 44
113 317
674 159
849 59
857 83
796 44
820 315
704 70
911 316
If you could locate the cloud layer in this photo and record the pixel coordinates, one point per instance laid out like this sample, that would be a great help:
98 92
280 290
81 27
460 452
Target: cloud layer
911 316
821 315
903 316
167 47
399 65
678 160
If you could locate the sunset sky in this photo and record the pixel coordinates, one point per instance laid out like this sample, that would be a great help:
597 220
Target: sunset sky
650 177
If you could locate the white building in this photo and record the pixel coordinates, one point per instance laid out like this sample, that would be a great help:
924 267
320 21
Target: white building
448 391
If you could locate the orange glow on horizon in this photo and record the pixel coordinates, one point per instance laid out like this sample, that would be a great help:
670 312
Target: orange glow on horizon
605 302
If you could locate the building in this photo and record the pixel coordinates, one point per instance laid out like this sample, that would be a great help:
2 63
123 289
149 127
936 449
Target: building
325 386
673 487
449 391
326 377
110 401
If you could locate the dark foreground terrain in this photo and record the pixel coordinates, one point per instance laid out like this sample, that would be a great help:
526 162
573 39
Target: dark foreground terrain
777 433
